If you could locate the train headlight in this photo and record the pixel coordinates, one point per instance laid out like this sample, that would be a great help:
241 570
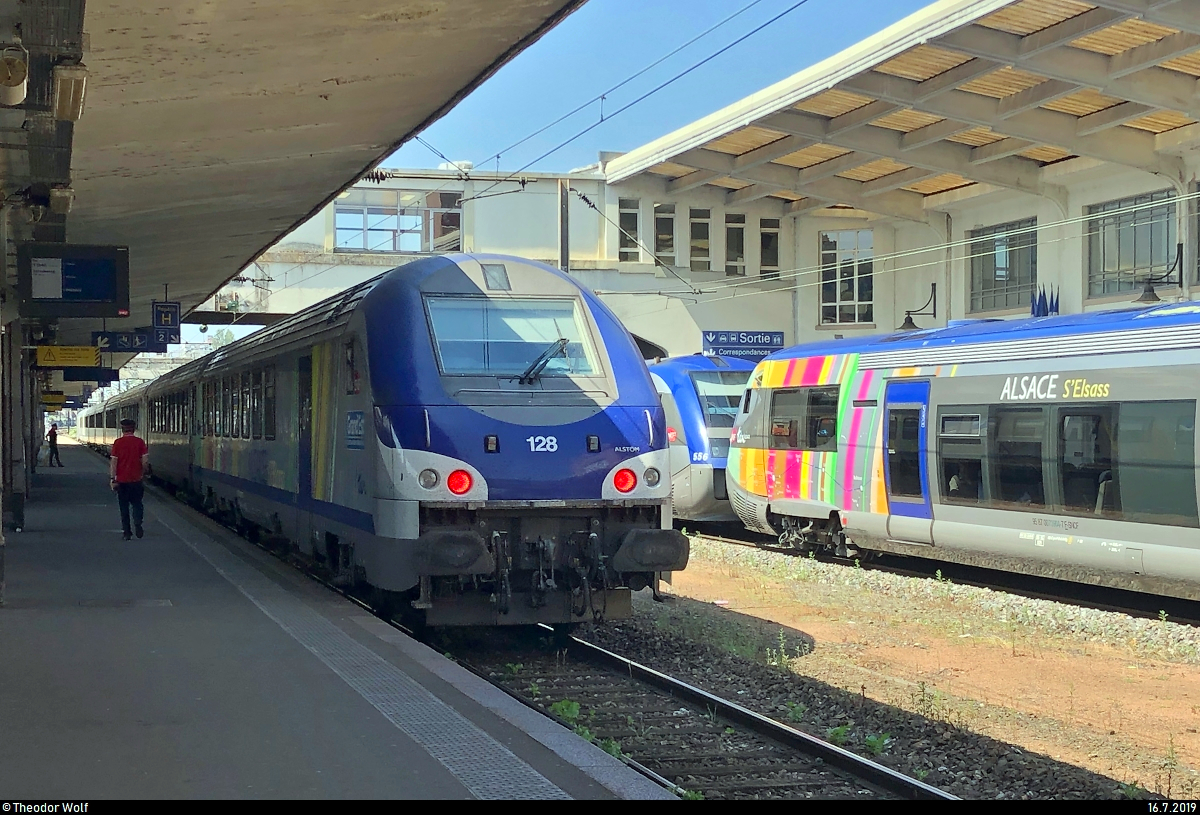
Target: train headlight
428 479
459 482
652 477
624 480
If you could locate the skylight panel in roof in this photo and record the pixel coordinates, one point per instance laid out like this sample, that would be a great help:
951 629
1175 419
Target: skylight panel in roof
1029 16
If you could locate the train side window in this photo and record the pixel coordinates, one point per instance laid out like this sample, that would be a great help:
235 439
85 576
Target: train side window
1156 462
1087 451
1016 437
352 374
960 458
226 406
246 406
235 406
269 403
804 419
256 401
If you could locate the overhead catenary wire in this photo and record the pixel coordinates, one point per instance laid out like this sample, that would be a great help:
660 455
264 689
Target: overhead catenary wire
651 92
598 98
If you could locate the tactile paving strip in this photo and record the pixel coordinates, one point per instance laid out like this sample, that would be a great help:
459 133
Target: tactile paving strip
488 769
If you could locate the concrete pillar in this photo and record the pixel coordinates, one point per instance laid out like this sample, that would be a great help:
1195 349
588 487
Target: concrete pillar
14 424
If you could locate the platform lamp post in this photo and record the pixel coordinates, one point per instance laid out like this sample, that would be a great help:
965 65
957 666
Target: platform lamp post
1149 296
931 304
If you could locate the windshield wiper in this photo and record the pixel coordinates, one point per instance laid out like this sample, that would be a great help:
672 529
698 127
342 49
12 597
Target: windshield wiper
536 367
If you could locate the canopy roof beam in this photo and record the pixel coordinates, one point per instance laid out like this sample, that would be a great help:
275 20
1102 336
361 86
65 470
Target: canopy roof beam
1157 87
1124 146
944 157
897 203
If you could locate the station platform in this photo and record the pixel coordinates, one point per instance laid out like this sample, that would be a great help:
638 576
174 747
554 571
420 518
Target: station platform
190 664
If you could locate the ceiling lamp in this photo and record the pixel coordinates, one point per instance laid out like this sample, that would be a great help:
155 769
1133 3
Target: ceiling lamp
14 74
70 82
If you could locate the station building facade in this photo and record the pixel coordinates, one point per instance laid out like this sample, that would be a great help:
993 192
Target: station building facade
960 164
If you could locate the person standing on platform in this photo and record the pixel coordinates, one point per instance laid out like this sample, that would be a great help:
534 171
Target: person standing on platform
52 438
127 464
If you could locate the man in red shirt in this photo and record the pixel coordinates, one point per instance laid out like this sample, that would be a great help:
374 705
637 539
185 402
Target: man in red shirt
127 463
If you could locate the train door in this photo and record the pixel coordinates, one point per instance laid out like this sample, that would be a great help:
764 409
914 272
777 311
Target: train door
304 428
910 511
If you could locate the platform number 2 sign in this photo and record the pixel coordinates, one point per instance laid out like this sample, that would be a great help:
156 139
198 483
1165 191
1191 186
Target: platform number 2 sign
542 444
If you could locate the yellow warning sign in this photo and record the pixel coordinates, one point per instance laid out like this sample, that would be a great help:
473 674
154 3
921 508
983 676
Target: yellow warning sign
68 356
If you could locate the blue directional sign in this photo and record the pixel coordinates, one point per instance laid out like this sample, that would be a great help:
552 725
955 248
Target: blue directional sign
162 336
166 314
749 345
123 341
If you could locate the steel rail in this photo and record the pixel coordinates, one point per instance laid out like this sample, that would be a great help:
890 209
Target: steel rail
876 774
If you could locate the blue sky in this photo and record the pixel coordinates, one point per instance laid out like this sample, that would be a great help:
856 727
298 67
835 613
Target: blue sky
608 40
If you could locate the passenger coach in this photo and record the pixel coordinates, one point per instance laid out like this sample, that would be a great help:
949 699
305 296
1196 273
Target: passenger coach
476 435
1063 446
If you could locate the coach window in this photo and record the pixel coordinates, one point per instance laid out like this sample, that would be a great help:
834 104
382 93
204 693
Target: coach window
235 406
352 374
245 404
960 456
1016 436
804 419
226 406
269 403
1086 453
256 402
1156 463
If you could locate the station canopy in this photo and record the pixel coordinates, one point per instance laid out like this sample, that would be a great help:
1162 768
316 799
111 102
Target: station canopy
211 128
962 93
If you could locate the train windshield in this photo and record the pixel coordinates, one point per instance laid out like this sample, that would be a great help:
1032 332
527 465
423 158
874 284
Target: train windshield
720 395
485 337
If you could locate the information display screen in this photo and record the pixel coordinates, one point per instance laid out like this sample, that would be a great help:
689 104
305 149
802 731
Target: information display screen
69 280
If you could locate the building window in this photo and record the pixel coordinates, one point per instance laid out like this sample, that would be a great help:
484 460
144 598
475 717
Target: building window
628 219
847 285
1003 265
411 221
768 236
664 233
1126 247
735 245
701 252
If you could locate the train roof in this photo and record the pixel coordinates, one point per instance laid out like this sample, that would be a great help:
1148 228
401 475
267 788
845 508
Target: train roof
965 333
705 362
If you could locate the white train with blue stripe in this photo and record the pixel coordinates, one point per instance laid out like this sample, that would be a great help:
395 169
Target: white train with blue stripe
475 435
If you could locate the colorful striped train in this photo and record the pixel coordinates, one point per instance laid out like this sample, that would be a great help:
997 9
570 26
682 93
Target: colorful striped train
1059 446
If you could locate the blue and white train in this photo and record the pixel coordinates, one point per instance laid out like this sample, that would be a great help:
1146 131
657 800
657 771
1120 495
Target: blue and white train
474 434
700 395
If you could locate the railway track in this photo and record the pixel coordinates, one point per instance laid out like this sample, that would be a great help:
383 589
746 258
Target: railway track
696 743
1102 598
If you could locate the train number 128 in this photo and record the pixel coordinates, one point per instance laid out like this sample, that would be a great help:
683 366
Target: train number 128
542 444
